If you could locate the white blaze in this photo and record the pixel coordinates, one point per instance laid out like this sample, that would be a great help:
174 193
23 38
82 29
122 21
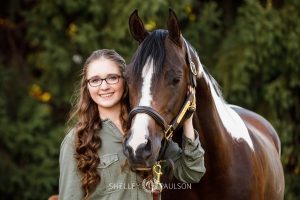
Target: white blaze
140 123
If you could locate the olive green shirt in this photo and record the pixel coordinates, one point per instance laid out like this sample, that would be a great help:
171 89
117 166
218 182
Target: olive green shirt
121 183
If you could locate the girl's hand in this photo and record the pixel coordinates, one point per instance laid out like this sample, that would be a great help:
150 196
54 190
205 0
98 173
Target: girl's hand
188 128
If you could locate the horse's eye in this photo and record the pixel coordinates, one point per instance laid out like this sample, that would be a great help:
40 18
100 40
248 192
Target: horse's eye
175 81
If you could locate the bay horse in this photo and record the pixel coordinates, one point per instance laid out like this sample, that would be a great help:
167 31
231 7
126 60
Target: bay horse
242 149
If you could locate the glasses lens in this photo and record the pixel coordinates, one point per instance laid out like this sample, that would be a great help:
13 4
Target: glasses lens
95 82
112 79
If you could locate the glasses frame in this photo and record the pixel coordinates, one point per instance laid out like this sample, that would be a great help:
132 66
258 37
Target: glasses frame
104 79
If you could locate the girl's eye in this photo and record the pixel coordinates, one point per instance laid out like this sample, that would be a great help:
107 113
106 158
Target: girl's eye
112 78
95 80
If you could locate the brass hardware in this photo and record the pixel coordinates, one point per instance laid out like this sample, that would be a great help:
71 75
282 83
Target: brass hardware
169 132
193 67
186 106
156 175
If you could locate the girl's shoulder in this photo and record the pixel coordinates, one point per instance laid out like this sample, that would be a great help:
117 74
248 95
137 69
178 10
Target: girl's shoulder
69 137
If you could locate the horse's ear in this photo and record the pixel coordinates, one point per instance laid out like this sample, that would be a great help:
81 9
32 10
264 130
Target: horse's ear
137 28
173 27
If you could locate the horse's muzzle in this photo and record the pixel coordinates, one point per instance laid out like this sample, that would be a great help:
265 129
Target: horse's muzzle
140 156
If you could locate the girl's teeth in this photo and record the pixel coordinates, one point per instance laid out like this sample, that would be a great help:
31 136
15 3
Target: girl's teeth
106 95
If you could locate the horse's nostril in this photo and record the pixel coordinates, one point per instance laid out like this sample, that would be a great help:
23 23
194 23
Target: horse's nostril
142 153
127 150
147 150
148 146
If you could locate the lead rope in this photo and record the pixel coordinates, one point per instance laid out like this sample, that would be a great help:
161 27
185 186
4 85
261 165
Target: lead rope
157 186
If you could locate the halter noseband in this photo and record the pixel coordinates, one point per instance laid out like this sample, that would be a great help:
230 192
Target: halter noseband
185 112
189 105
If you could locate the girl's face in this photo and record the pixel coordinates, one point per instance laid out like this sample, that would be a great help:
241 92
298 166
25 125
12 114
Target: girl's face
109 93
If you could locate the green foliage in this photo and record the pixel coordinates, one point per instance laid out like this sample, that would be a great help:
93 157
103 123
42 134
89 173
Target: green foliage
205 32
44 44
29 148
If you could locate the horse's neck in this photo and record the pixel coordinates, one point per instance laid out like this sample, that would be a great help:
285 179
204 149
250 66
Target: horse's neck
213 134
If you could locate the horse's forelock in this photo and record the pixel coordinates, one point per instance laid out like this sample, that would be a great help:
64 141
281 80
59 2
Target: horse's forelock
151 48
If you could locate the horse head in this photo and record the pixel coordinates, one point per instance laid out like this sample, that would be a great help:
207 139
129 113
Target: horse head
161 79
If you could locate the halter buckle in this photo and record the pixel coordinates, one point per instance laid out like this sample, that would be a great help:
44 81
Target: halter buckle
169 132
193 104
193 68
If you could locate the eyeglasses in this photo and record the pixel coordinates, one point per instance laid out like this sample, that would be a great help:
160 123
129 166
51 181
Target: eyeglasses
110 79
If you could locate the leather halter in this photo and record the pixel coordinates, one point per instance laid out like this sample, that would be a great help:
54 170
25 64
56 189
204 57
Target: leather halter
185 112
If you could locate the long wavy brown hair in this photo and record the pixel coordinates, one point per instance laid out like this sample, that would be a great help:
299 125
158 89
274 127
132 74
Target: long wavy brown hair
88 123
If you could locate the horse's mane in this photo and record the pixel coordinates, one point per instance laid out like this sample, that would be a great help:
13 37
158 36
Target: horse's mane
152 47
206 72
214 83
